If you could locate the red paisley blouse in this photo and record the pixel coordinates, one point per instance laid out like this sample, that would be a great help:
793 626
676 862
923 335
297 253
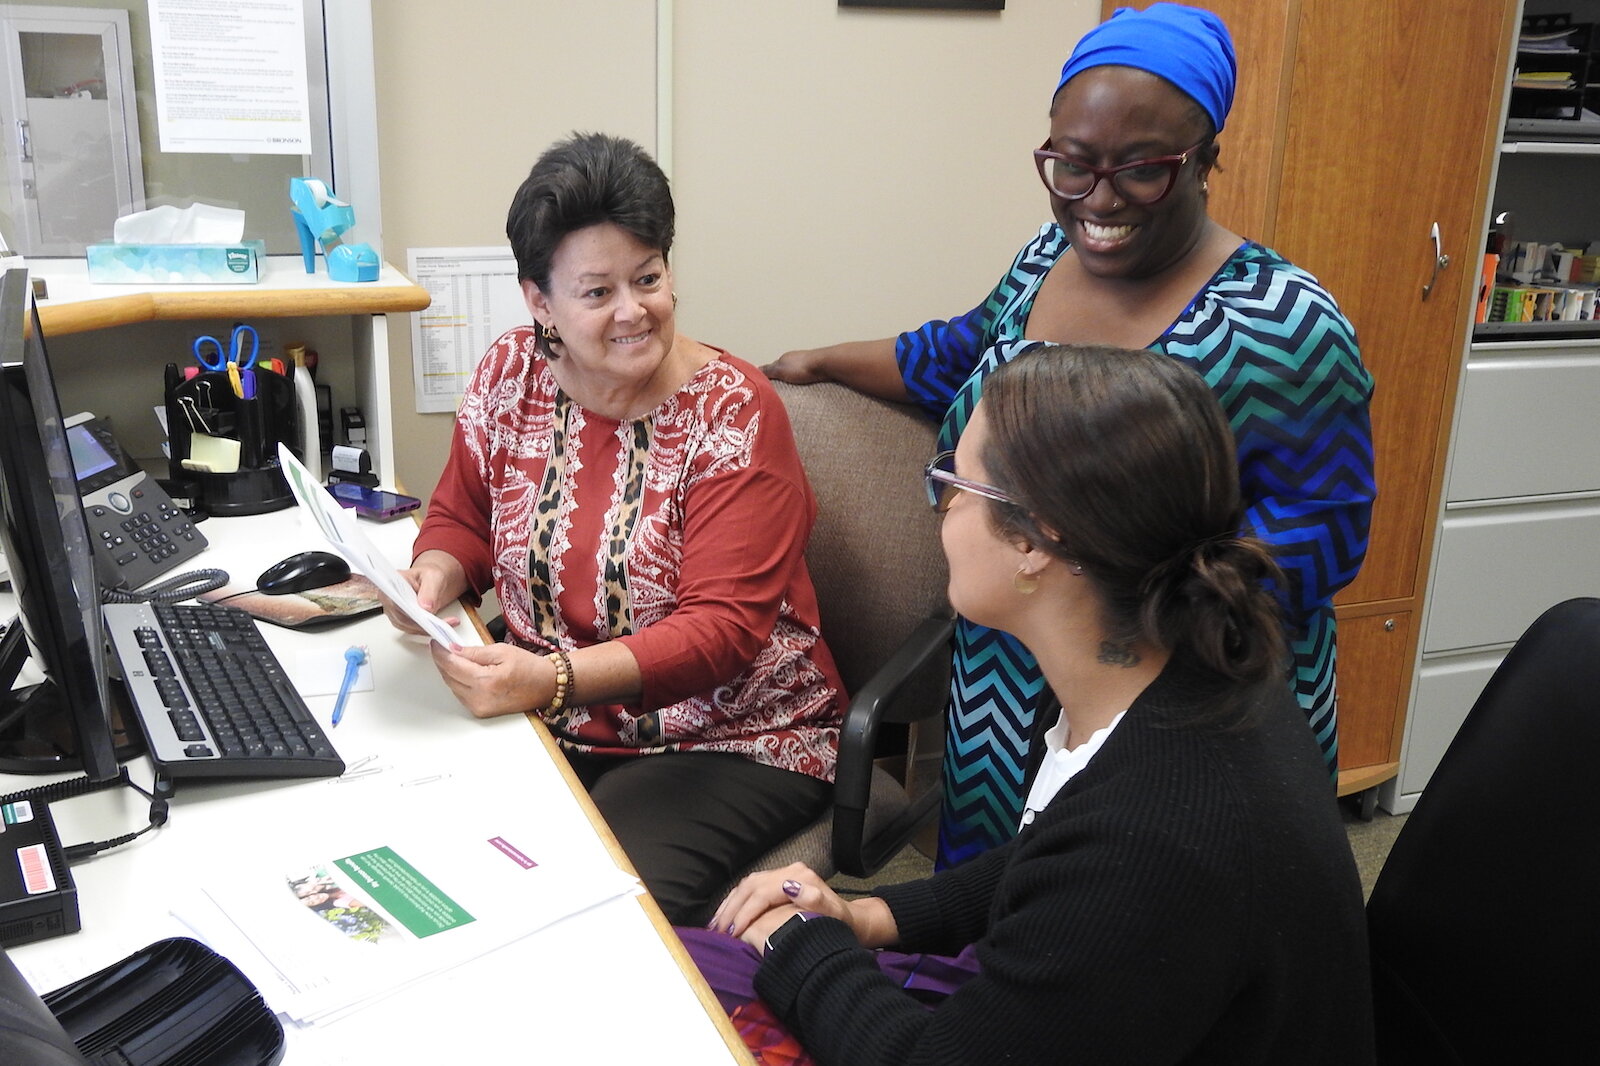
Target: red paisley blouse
680 534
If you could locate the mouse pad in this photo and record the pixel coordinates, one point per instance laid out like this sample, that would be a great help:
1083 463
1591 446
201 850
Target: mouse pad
311 609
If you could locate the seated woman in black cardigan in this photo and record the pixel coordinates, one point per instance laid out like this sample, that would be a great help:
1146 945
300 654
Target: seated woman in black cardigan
1182 890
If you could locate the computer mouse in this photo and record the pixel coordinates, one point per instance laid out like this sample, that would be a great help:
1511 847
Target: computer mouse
308 570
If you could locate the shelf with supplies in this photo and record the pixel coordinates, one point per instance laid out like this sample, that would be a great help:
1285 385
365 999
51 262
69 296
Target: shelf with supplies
1552 80
102 337
1541 269
1530 289
71 303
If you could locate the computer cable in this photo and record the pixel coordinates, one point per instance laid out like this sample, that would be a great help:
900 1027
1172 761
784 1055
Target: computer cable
159 795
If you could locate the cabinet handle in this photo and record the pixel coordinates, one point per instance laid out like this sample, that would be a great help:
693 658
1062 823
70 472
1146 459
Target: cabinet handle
24 142
1440 261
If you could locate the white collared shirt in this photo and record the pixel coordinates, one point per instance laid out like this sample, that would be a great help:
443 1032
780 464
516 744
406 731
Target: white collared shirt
1060 765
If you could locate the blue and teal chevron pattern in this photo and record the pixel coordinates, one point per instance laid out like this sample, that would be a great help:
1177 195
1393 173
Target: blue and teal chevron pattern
1283 361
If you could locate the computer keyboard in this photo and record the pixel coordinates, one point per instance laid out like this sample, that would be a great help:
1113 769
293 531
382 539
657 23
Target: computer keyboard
211 697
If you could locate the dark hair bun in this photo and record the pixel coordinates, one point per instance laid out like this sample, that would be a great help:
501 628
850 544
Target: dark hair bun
1212 598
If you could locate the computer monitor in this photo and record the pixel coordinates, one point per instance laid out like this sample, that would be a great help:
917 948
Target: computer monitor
66 721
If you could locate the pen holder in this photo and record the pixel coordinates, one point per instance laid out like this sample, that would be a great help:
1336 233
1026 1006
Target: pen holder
225 444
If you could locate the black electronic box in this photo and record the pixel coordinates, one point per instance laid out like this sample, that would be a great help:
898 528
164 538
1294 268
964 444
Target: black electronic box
37 896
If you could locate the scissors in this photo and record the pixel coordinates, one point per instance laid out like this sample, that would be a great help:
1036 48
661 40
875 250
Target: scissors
242 347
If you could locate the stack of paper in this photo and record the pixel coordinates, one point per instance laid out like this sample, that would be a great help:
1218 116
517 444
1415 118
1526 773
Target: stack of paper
1552 42
354 910
1543 79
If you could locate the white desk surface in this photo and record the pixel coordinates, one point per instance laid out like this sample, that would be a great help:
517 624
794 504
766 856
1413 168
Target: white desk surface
610 985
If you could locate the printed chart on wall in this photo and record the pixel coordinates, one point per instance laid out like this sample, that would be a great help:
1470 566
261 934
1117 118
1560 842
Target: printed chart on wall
475 298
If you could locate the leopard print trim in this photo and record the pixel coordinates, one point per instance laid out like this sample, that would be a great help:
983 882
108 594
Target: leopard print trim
546 516
624 517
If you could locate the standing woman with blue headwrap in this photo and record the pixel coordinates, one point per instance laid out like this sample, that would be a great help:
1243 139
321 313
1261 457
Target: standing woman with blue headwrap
1127 165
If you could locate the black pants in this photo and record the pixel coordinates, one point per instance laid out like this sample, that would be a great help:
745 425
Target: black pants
690 820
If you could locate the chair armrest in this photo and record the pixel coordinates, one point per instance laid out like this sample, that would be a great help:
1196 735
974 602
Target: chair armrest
852 786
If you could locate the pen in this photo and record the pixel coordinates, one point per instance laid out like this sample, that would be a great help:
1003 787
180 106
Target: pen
233 379
354 656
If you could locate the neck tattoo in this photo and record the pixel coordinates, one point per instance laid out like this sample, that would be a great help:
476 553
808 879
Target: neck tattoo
1121 655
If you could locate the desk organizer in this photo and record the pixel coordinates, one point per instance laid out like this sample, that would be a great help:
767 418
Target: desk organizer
206 403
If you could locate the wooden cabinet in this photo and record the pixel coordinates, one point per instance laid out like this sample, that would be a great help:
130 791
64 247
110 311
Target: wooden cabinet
1358 127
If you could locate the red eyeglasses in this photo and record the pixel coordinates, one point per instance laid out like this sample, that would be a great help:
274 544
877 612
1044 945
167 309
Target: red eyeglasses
1143 181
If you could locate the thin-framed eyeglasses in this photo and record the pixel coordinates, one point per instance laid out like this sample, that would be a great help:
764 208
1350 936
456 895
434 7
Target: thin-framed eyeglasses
1143 181
940 479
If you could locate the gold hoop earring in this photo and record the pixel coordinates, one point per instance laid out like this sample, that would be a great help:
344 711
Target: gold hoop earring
551 334
1024 582
674 299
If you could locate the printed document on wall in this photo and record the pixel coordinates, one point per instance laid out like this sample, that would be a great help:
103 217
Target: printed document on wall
231 77
474 298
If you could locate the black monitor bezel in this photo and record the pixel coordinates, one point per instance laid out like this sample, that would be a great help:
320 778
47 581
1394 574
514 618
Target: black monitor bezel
66 722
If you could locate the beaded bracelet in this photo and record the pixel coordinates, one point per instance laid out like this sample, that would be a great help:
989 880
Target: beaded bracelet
563 665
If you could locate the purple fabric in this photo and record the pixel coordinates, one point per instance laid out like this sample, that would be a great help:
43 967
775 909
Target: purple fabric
729 966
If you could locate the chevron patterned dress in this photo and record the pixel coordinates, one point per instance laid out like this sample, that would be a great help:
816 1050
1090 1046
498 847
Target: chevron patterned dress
1283 361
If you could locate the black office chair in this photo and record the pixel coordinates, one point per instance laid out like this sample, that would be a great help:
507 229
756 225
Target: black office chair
880 576
1485 920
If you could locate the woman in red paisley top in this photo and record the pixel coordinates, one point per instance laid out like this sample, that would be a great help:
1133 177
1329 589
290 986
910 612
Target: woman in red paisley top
636 501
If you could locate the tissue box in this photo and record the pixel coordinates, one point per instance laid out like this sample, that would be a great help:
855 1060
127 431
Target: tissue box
176 264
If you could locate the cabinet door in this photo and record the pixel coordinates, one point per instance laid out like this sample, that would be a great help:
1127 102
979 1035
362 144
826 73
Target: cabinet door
1374 650
1393 114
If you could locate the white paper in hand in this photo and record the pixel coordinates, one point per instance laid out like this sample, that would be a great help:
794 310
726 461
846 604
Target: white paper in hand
345 537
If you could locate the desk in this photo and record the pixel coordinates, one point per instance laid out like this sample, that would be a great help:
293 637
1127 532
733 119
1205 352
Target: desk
610 985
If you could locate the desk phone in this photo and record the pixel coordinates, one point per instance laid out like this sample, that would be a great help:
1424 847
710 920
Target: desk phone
137 531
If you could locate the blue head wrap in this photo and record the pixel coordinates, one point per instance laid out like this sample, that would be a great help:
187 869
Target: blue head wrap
1189 47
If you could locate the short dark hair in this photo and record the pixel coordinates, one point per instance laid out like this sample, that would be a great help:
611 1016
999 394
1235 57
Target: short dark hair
1124 463
582 181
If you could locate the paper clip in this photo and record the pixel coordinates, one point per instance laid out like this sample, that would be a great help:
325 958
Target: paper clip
197 421
366 766
430 779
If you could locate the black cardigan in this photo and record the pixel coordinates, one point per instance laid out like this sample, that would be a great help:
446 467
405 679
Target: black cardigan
1188 897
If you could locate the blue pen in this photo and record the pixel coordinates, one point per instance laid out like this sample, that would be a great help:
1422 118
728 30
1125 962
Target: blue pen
354 656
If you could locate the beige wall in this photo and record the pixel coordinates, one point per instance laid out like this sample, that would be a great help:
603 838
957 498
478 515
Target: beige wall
838 173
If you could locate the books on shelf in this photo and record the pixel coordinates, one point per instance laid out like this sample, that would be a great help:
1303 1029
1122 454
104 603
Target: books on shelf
1540 283
1530 304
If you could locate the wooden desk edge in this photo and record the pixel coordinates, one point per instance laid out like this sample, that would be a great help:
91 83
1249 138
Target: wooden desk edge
82 316
658 921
